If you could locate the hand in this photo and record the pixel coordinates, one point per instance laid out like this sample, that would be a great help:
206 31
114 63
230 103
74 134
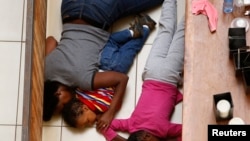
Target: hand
104 121
51 44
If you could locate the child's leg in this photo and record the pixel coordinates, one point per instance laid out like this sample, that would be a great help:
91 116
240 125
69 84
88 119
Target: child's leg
122 58
167 27
168 68
112 46
159 64
121 37
174 61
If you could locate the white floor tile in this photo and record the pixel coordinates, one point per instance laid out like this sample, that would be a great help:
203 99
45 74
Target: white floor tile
52 134
69 134
11 13
129 99
55 121
54 22
181 5
7 133
142 56
9 79
177 114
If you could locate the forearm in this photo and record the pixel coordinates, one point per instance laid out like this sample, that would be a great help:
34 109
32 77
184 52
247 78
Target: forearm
116 80
119 82
116 125
118 96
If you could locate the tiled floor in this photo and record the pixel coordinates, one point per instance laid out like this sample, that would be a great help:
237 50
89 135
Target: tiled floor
12 48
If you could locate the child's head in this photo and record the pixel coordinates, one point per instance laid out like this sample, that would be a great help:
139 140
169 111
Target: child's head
77 114
142 135
55 96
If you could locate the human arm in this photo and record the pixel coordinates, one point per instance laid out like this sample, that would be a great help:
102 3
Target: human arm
51 44
116 125
119 82
115 137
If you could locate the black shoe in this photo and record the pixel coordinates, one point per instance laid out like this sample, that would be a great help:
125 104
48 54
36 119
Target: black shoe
137 28
147 20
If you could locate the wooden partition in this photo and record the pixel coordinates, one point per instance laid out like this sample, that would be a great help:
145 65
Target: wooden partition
34 70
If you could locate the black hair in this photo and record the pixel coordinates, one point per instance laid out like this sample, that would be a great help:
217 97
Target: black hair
136 135
71 111
50 100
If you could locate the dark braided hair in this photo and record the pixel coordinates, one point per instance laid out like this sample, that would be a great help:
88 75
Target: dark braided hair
134 136
71 111
50 100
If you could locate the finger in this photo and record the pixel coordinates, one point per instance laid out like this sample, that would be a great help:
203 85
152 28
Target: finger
100 128
99 124
104 127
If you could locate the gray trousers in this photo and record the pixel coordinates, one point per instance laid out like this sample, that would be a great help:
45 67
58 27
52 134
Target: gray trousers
166 59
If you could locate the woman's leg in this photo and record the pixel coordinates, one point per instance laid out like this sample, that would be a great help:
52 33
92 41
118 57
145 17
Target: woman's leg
128 7
105 12
109 11
174 61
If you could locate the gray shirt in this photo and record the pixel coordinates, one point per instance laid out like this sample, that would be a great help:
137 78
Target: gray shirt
76 58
